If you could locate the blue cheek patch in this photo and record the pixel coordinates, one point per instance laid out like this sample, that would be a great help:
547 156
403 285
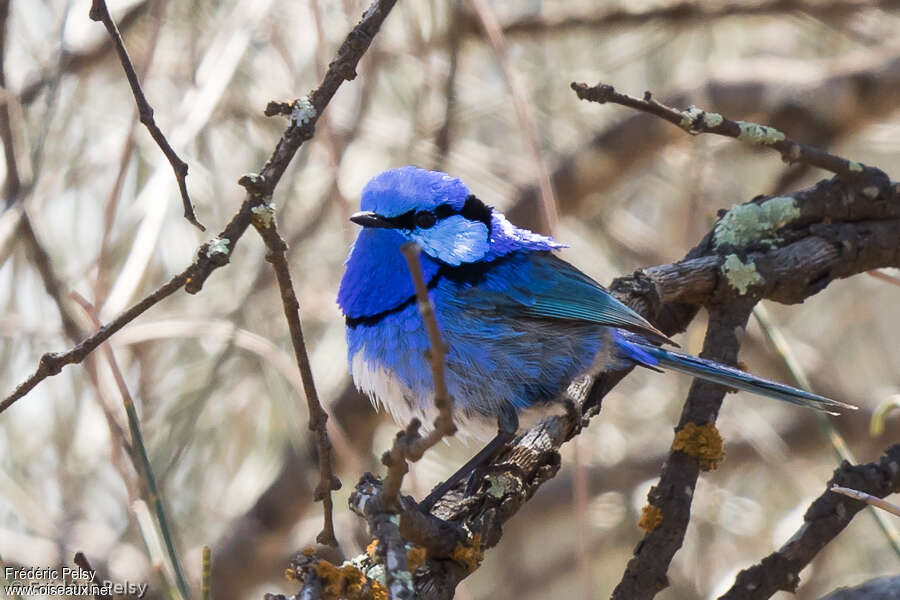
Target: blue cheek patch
454 240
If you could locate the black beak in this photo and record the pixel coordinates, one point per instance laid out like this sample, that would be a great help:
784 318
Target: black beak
370 219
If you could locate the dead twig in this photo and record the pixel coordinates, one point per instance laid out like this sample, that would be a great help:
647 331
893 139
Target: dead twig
868 499
695 120
100 12
215 253
826 517
264 222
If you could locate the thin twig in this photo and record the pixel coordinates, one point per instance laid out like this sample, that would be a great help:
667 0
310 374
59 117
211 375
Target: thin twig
694 120
522 107
51 363
884 277
383 503
214 254
437 351
839 445
409 445
328 481
826 517
868 499
112 198
143 466
100 12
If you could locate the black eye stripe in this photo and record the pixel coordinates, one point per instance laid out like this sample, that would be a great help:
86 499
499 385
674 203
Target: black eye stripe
425 219
474 210
443 211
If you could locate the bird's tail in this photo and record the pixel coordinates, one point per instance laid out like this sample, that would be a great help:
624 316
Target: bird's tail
730 376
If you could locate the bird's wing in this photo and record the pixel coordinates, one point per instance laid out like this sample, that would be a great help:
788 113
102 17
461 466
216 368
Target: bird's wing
544 286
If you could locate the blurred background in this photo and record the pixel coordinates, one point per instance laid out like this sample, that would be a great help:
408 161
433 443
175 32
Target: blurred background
212 375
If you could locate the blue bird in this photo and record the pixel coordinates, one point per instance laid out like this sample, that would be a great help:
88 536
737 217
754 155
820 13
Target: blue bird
519 322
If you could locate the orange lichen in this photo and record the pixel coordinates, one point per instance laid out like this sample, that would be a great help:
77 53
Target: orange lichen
372 549
703 442
290 574
348 582
415 556
309 552
651 517
469 554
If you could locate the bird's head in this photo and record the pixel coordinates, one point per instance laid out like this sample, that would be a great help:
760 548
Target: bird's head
431 208
442 216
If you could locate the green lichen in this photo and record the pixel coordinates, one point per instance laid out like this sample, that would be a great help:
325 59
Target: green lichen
746 223
376 572
855 167
217 246
740 275
758 134
263 215
497 486
711 119
303 111
689 116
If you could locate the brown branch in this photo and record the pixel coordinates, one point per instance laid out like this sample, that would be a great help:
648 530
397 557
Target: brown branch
670 499
214 254
51 363
100 12
265 225
770 92
342 68
826 517
81 59
694 120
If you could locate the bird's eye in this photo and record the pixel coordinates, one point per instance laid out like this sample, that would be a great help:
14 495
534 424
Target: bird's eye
425 219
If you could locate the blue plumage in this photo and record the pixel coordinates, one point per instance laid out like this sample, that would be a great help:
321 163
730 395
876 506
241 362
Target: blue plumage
519 322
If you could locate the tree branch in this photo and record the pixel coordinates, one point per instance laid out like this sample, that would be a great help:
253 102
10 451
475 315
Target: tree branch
826 517
214 254
694 120
100 12
264 222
